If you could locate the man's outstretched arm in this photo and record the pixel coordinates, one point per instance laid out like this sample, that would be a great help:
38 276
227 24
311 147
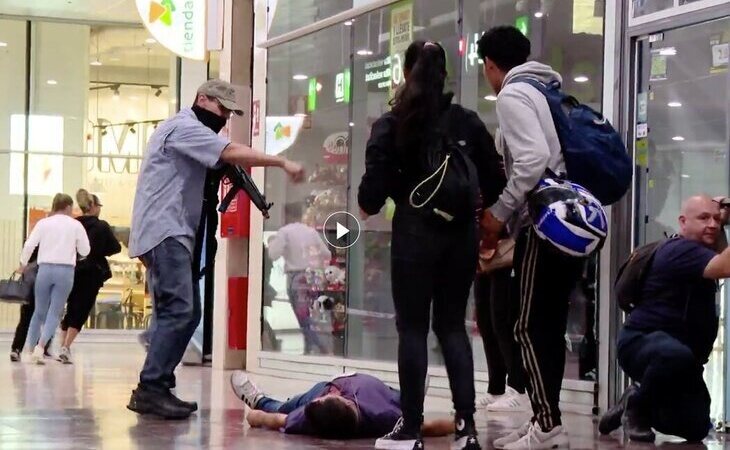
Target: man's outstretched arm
271 421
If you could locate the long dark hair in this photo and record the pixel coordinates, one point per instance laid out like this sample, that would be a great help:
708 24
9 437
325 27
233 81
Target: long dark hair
417 104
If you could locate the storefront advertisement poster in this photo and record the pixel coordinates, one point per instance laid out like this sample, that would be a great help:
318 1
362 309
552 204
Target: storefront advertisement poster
179 25
642 152
720 53
256 117
658 67
401 35
642 130
642 107
336 148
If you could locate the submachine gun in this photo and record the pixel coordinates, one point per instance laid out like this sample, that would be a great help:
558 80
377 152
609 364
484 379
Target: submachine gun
241 180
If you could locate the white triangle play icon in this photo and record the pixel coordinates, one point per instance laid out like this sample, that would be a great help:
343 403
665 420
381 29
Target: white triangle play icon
341 231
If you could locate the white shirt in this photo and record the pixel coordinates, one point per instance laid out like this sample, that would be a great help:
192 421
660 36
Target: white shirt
301 246
59 238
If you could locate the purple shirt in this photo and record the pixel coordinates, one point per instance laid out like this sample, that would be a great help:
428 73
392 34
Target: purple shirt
379 406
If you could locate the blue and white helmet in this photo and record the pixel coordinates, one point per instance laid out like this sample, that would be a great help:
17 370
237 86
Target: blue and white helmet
568 216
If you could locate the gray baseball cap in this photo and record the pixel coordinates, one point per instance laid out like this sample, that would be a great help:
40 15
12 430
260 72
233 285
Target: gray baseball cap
224 92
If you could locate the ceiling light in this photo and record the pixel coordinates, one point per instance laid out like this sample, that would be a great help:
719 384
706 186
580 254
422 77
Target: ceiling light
581 79
300 77
539 14
668 51
3 44
684 175
95 63
364 52
490 98
300 115
150 41
674 105
52 82
348 23
678 138
352 124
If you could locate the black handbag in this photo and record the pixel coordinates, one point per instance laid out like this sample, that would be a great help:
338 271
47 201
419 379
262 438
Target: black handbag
16 289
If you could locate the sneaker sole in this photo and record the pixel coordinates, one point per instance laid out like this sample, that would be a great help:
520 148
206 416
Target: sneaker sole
394 445
148 412
491 408
463 444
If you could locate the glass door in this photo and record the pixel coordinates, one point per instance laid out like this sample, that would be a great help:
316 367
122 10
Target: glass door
680 142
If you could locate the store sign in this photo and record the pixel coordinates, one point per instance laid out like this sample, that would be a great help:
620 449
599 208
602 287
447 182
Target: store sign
282 132
472 57
401 36
179 25
342 87
522 23
378 73
256 117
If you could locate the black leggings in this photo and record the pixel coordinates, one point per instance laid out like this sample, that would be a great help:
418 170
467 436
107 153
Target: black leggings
80 301
497 308
436 265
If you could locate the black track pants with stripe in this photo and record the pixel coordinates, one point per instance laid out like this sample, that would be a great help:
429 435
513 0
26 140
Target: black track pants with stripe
545 278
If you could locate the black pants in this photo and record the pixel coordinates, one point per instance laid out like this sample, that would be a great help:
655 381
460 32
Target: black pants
545 278
21 330
672 392
497 311
438 265
81 300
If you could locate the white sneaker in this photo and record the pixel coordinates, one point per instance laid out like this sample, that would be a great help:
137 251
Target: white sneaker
514 436
488 400
245 389
536 439
65 356
511 401
37 356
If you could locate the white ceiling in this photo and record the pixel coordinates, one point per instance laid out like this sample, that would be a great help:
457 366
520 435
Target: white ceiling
122 11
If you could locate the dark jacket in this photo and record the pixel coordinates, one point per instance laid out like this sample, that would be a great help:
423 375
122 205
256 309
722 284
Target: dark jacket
103 243
383 179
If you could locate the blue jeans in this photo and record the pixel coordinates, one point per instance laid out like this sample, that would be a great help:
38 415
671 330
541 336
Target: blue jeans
52 287
672 392
177 312
270 405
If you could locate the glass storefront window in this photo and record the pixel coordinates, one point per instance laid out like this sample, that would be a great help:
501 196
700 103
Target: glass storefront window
287 15
644 7
95 102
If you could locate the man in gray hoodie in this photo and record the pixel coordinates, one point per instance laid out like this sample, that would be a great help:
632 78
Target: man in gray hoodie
530 145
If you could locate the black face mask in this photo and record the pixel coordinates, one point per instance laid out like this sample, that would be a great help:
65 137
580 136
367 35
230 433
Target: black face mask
210 119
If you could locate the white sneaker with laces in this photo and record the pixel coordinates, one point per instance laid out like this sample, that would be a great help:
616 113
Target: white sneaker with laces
514 436
37 356
536 439
488 400
65 356
511 401
245 389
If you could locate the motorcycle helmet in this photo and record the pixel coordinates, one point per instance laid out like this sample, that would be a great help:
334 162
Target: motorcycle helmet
568 216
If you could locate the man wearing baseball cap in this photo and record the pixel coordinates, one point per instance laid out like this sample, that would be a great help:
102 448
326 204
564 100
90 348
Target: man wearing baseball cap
167 209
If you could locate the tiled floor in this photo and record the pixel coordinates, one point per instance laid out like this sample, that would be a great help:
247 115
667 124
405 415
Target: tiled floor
83 407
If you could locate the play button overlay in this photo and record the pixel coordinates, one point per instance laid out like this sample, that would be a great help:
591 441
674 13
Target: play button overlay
341 230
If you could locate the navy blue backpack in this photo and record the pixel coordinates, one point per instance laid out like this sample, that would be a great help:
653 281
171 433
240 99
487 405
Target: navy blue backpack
595 156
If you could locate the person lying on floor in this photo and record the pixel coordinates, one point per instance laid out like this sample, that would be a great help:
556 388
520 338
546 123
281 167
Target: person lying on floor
348 407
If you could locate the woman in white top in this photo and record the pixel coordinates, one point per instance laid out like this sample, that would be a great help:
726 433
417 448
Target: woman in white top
59 238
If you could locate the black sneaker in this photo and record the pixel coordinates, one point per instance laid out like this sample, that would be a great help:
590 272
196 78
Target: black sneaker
636 425
192 406
400 439
14 356
465 436
612 419
149 402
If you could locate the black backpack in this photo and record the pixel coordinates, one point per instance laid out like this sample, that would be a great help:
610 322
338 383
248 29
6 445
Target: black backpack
632 274
448 187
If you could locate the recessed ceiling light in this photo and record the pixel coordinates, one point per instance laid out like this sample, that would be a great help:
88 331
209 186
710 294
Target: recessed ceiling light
348 23
300 76
150 41
490 98
674 105
539 14
3 44
352 124
581 79
319 87
96 63
678 138
364 52
684 175
52 82
668 51
300 115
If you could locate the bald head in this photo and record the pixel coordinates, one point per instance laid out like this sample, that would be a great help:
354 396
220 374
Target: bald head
700 220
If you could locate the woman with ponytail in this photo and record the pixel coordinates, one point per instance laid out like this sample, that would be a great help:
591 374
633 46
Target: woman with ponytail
90 274
437 161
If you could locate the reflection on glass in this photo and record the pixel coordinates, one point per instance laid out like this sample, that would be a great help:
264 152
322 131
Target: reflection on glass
287 15
644 7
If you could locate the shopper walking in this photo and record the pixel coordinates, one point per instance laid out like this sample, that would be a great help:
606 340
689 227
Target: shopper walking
91 272
434 159
545 276
165 218
60 240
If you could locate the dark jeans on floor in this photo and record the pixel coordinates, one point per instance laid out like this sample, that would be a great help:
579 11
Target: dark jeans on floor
432 266
497 311
270 405
176 300
672 392
546 278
